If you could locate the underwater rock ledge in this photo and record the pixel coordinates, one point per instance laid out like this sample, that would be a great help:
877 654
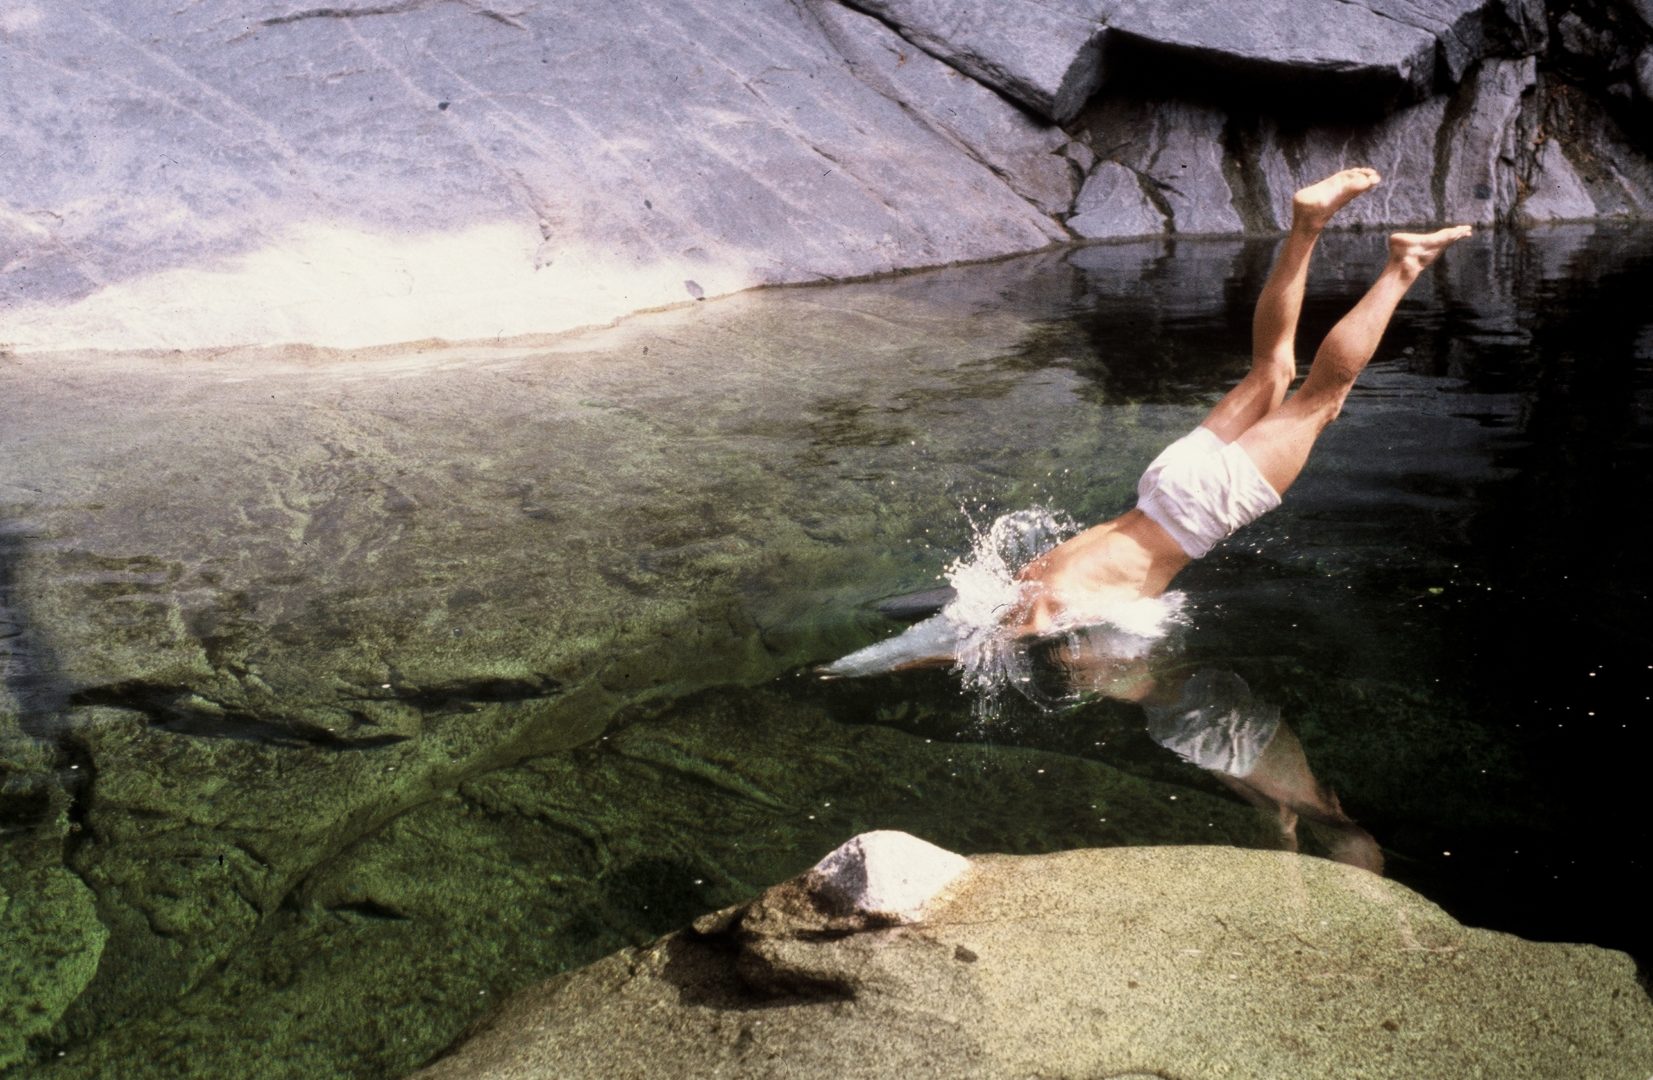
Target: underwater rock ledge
1168 961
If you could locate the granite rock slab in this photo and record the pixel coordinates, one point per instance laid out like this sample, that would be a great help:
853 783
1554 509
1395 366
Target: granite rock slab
239 173
1190 962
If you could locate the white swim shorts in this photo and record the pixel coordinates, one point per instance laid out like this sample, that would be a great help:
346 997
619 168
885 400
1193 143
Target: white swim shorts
1200 489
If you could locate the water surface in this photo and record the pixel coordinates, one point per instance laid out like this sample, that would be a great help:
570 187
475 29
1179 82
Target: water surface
343 695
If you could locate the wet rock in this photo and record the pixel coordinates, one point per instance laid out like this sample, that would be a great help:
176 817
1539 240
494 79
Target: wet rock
51 939
268 626
49 923
1047 56
1156 961
555 861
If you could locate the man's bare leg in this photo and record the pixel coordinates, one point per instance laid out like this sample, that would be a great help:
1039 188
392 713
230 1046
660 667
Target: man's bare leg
1280 442
1274 325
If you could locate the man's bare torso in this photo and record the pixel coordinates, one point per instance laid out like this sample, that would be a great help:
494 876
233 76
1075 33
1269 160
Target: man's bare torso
1115 562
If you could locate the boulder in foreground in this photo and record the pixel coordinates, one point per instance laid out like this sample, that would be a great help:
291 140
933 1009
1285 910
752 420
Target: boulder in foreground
1186 961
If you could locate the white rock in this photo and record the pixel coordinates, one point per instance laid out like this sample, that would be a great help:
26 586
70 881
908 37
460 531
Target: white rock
887 873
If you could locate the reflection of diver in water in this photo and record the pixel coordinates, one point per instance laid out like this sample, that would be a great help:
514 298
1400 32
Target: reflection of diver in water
1228 471
1210 718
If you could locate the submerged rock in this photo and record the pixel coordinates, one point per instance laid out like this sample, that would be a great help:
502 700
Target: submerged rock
1190 962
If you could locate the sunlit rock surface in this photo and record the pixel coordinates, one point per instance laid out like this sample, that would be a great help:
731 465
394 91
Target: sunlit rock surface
235 172
231 173
1188 962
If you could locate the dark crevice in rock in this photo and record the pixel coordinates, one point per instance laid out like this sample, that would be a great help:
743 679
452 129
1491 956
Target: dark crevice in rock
370 908
1153 189
347 12
1458 109
1245 176
182 711
472 694
84 774
1142 67
404 8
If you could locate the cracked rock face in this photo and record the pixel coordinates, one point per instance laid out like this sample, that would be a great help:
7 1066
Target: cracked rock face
1198 962
231 173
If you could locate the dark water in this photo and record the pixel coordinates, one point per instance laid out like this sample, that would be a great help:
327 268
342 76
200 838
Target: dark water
420 684
1450 609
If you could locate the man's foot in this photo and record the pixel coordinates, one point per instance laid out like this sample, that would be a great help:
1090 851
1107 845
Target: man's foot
1415 251
1314 206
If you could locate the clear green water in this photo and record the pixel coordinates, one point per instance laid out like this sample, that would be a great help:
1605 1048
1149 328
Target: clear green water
342 696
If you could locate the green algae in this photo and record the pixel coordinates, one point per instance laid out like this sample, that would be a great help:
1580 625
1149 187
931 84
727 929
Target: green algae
51 936
381 957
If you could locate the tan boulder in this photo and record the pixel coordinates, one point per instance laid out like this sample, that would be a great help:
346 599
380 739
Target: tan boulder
1171 961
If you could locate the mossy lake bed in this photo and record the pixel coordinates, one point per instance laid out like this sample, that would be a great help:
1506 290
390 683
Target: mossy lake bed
344 693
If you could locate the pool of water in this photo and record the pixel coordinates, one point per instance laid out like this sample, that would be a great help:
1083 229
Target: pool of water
345 694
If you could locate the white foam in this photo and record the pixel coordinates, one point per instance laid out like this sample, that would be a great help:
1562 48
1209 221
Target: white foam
988 656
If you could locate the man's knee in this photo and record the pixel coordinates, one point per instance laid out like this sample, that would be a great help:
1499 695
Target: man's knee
1323 394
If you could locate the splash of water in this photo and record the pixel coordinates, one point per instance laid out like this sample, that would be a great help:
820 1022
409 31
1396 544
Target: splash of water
988 656
970 632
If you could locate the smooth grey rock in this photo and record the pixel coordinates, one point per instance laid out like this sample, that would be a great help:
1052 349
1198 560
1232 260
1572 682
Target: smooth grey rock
1113 205
1197 962
1178 149
1081 155
1555 192
1644 72
237 172
1643 10
1479 184
1401 147
1026 153
1368 54
1470 30
1046 54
